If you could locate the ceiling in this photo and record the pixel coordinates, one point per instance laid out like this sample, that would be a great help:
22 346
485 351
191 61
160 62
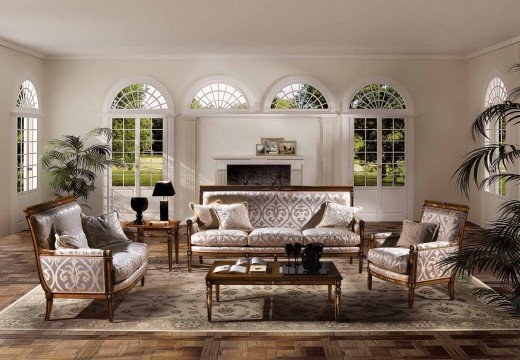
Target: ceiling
169 28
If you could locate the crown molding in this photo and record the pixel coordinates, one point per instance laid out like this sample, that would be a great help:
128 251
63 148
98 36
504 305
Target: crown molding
22 49
492 48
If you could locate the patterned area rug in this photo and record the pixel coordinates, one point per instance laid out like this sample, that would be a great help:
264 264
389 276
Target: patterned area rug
176 301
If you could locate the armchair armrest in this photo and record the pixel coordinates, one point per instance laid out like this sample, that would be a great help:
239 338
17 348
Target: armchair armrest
86 271
192 227
386 239
428 260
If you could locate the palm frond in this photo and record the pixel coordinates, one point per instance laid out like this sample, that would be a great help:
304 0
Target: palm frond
493 297
507 110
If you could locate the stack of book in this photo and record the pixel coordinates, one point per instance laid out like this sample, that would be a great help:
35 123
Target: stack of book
255 265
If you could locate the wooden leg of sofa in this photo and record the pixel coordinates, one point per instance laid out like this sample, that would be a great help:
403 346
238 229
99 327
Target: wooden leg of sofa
360 263
110 301
451 288
48 307
369 280
350 260
190 259
142 281
201 261
411 294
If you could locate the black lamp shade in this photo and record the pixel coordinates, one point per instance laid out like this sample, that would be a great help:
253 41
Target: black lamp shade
163 188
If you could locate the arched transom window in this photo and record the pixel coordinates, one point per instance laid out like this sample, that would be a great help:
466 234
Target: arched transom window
377 96
496 93
301 97
139 96
219 96
27 97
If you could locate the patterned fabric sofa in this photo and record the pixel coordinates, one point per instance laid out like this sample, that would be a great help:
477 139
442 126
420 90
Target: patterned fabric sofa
81 273
419 264
279 215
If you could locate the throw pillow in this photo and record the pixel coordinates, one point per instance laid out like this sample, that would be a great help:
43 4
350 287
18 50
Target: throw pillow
417 233
103 230
337 215
70 242
233 216
206 216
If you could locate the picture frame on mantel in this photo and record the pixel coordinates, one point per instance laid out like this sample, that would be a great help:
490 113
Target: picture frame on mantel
268 146
287 147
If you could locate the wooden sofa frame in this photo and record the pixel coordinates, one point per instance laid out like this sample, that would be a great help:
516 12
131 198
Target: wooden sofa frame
220 254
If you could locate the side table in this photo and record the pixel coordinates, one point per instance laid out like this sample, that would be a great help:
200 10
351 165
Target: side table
172 234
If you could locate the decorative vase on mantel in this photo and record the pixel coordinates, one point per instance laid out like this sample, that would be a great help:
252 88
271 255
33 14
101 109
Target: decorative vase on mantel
139 205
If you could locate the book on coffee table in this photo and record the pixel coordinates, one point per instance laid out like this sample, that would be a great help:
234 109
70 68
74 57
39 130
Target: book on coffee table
230 269
251 261
258 269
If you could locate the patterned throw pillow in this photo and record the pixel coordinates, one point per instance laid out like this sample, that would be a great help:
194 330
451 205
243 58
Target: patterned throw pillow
206 216
417 233
337 215
233 216
103 230
65 241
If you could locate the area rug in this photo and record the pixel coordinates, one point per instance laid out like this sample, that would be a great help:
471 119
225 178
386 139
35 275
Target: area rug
176 301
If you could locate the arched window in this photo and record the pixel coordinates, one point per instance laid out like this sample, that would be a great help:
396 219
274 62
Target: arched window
219 96
139 96
26 138
299 96
377 96
496 93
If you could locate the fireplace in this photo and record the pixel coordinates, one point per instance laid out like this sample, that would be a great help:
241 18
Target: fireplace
271 175
259 170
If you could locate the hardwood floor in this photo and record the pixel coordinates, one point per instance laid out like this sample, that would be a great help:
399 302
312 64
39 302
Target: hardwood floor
18 275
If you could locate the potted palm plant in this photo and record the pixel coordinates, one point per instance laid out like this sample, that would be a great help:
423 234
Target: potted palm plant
71 163
498 249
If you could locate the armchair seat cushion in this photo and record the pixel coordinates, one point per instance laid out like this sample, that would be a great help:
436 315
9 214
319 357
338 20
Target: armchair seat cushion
126 259
391 258
331 236
217 237
274 236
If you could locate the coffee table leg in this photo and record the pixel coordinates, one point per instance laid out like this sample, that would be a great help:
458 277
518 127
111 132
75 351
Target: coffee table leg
337 303
217 292
209 291
330 298
169 234
176 244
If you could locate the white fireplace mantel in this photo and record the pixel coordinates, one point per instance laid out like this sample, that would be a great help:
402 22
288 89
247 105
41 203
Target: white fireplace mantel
222 161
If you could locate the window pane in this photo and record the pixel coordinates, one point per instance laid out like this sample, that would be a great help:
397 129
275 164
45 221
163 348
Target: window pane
26 154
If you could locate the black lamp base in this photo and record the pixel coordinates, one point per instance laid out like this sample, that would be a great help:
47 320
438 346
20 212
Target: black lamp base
163 207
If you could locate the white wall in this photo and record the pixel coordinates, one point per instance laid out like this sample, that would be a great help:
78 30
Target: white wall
77 88
14 68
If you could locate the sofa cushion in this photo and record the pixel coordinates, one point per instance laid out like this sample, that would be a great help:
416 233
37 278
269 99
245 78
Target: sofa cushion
417 233
103 230
331 236
206 217
126 258
337 215
217 237
233 216
394 259
274 236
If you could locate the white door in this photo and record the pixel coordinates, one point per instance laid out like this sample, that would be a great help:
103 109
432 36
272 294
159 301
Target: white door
140 142
380 167
26 190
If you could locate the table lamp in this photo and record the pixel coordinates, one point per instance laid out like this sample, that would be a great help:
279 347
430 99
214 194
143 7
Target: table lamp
164 189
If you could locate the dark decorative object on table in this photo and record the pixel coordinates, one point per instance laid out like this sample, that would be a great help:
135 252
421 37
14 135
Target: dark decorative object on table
288 251
139 205
164 189
311 257
297 249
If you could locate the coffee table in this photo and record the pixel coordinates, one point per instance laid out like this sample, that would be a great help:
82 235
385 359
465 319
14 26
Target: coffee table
274 277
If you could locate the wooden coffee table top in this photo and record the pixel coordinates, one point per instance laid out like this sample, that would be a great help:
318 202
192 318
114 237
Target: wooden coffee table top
273 275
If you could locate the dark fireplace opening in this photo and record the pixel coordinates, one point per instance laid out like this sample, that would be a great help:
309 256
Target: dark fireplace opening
270 175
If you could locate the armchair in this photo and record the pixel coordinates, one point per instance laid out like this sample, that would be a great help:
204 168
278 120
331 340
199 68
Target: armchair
419 264
81 273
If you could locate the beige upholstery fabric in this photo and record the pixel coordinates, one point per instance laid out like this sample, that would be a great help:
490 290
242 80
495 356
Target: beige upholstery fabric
280 209
393 259
70 242
103 230
433 245
79 252
74 274
428 263
216 237
388 273
450 222
66 220
274 237
417 233
206 217
271 250
233 216
126 258
337 215
132 278
331 236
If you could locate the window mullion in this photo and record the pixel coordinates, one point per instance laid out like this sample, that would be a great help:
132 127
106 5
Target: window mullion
137 152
